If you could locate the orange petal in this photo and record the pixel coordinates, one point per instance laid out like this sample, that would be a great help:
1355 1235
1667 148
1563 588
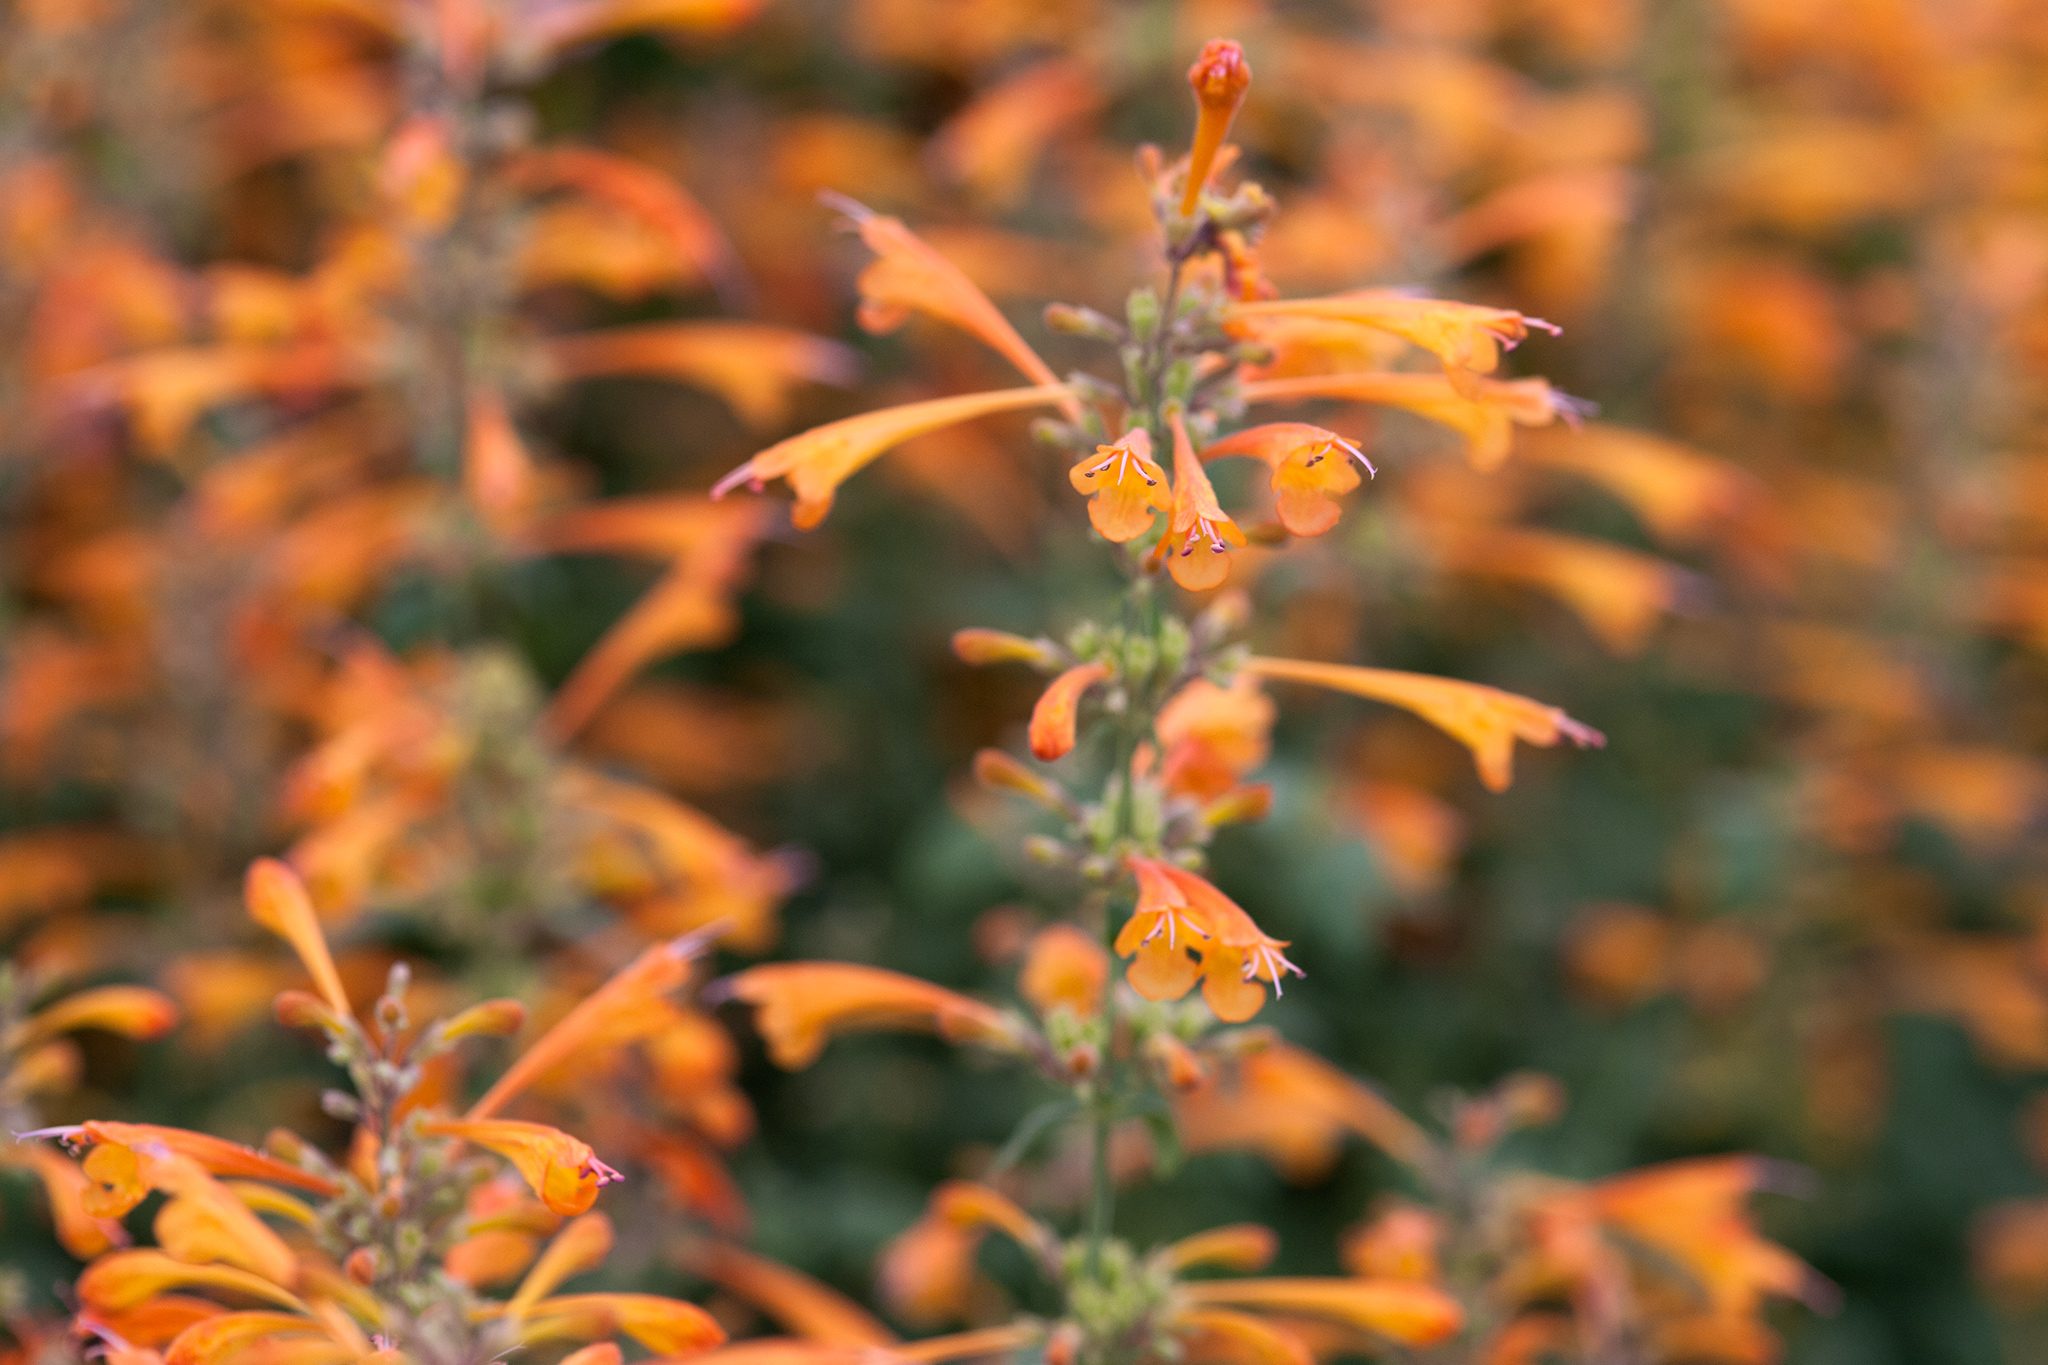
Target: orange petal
668 1326
817 461
1464 336
1485 719
1483 411
907 276
277 900
1399 1310
561 1169
802 1004
132 1011
122 1280
797 1302
1054 719
1124 487
754 367
1200 536
1219 77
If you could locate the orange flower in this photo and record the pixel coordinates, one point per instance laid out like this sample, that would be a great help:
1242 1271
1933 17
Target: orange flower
1295 1109
754 367
650 197
1466 337
1219 77
1311 469
1054 719
123 1280
121 1175
1485 719
817 461
908 276
562 1170
1620 594
69 1191
1123 485
638 988
663 1325
795 1300
1211 736
1401 1311
1064 968
1483 411
1693 1213
802 1004
1199 528
277 900
1179 913
132 1011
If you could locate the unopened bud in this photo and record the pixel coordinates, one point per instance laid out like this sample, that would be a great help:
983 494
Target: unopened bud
1219 78
363 1265
997 770
298 1009
1082 322
488 1018
976 646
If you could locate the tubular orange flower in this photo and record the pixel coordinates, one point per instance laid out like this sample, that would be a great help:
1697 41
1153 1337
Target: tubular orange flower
204 1222
277 900
795 1300
1311 469
561 1169
1123 485
1220 1334
1055 718
1241 1247
1236 956
1693 1212
1200 535
1483 411
1295 1108
752 366
908 276
230 1336
69 1192
636 988
639 190
123 1280
965 1204
580 1246
977 646
1397 1310
132 1011
215 1155
802 1004
669 1326
1219 78
817 461
1485 719
1466 337
1158 935
1180 913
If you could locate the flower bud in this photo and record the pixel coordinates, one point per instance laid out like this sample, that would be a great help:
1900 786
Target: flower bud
1219 78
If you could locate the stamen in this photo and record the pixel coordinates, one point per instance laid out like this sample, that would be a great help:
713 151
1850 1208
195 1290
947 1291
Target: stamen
1358 455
